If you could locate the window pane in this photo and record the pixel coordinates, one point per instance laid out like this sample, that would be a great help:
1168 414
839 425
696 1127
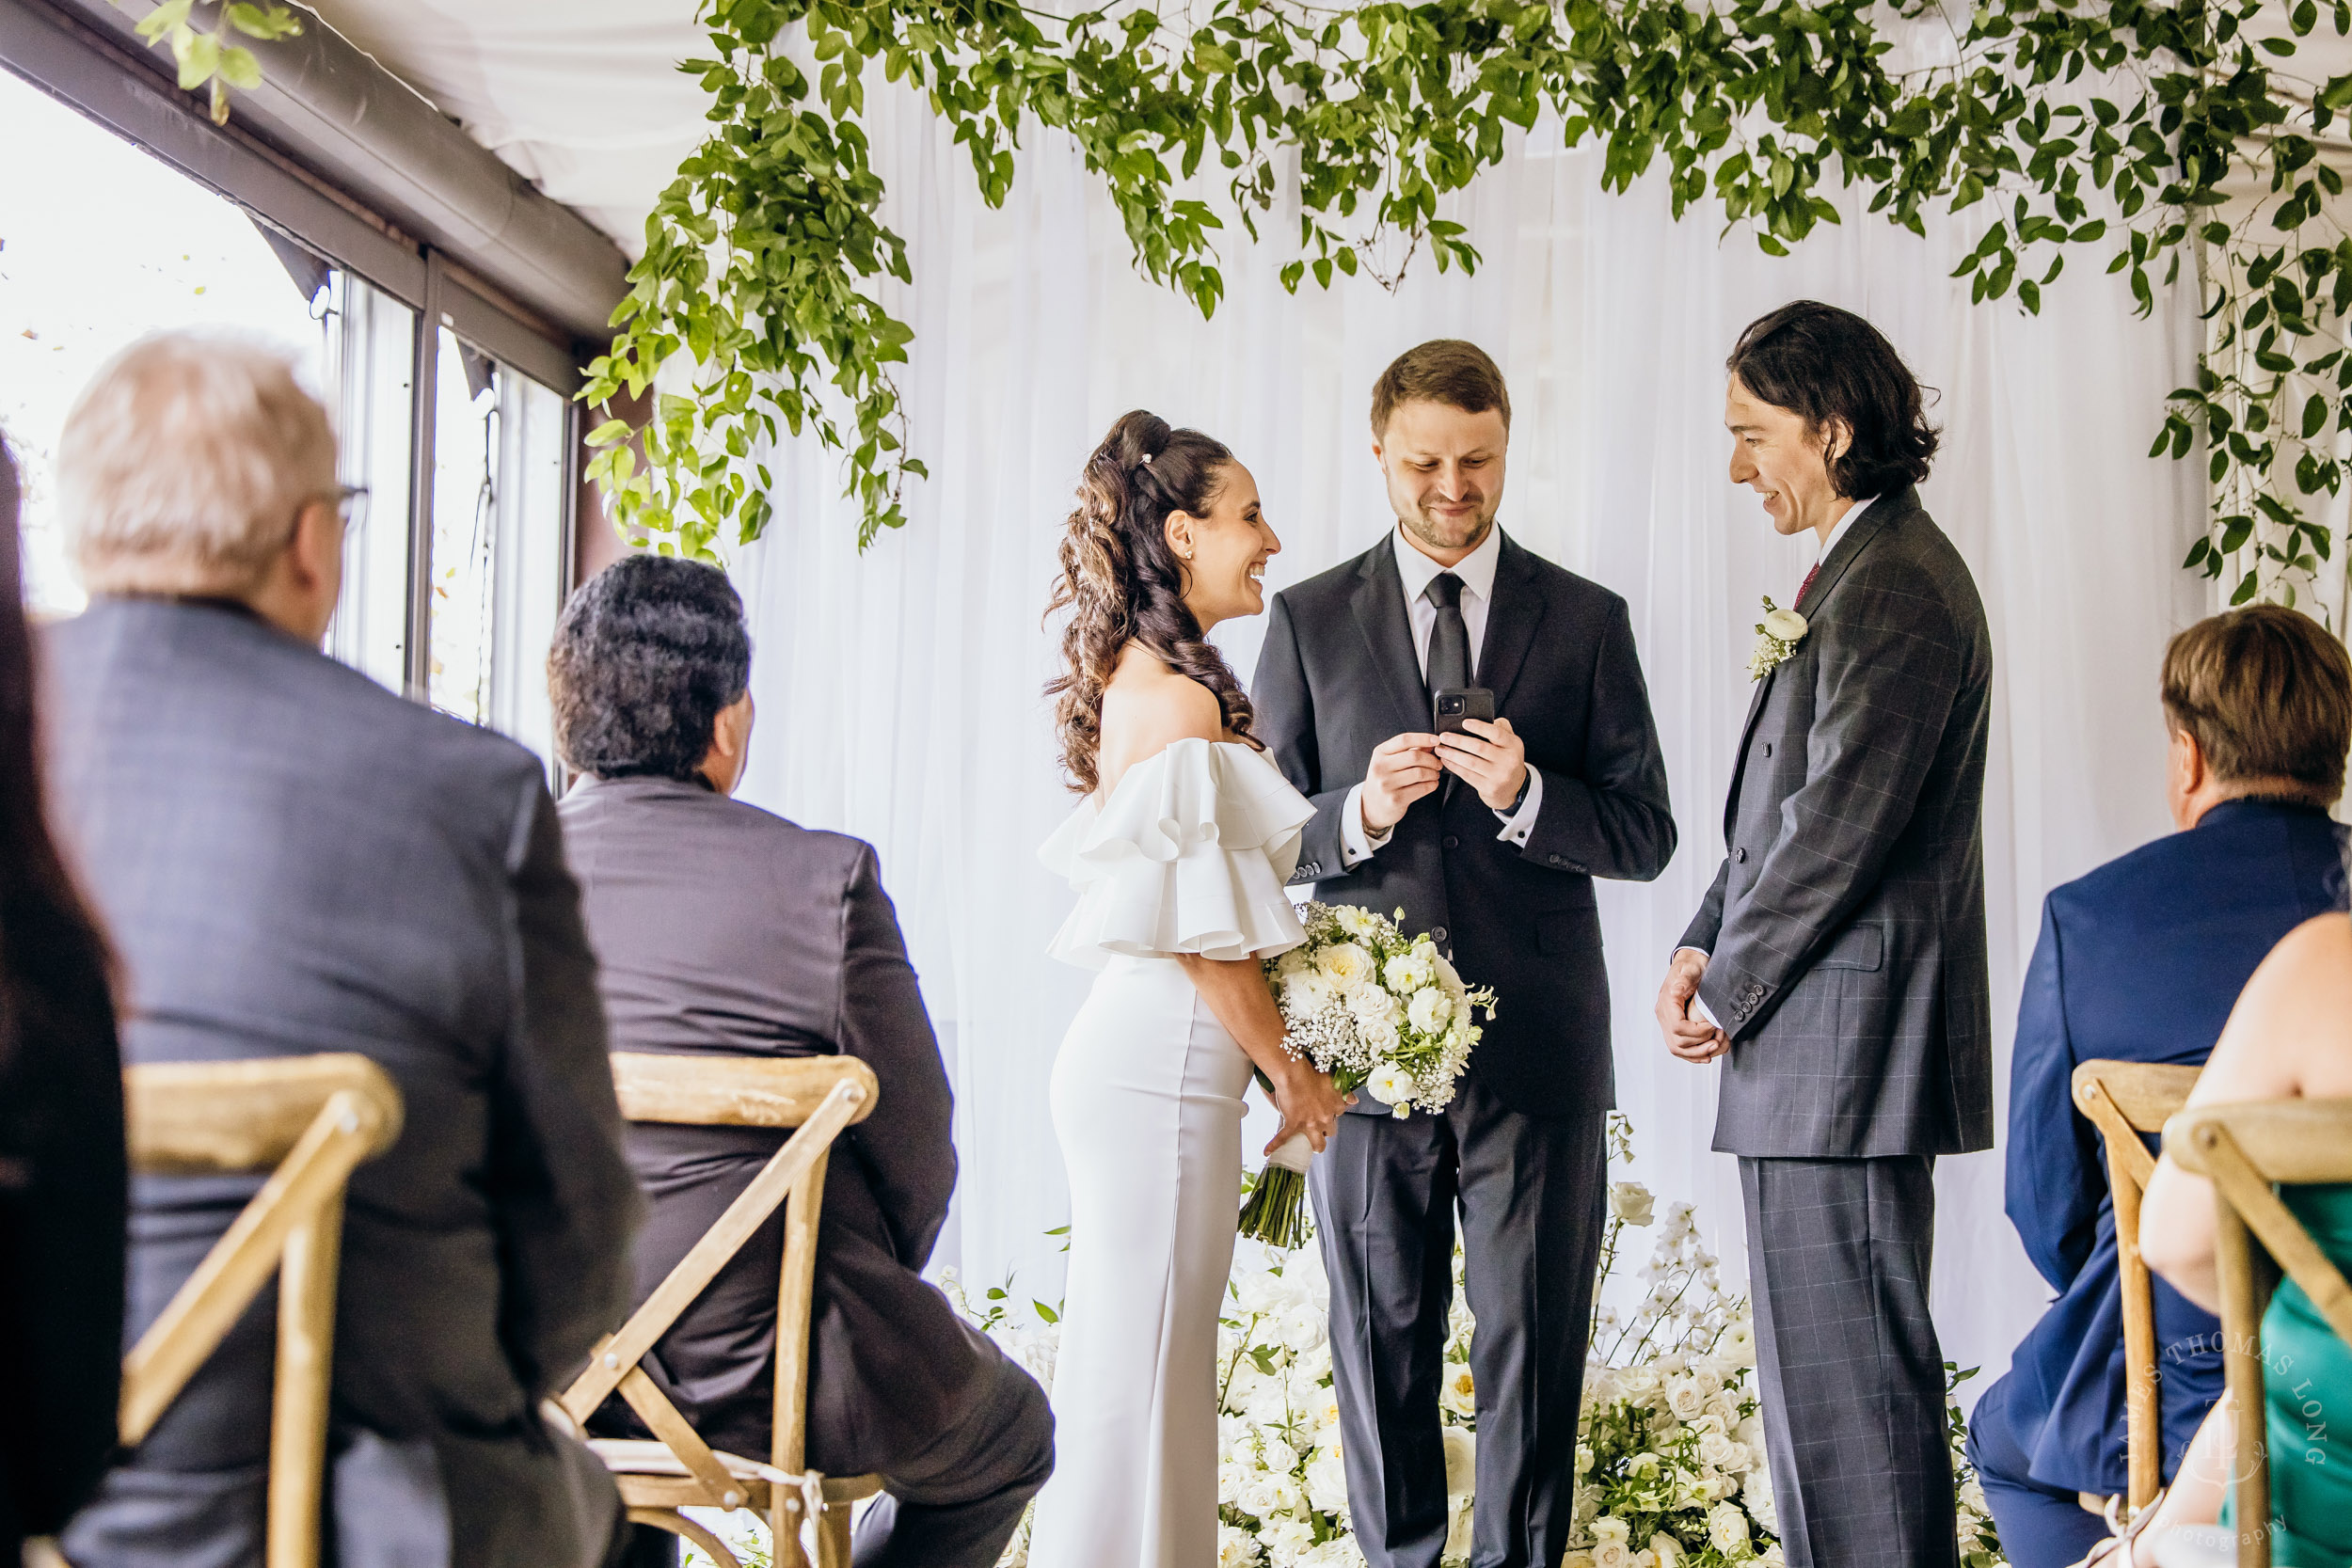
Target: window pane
372 341
100 244
531 564
465 455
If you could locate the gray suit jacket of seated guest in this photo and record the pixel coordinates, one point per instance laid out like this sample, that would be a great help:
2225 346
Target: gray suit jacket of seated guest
724 929
291 859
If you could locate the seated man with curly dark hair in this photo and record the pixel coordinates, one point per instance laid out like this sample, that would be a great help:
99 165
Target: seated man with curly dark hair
727 929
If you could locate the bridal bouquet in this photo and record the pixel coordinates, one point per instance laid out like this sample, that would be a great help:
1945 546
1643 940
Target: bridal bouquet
1377 1010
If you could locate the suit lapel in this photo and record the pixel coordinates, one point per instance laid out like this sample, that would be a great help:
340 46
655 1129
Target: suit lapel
1866 527
1512 618
1379 604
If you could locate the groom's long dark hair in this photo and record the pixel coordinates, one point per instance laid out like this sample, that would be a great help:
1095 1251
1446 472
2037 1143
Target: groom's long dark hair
1122 584
1822 364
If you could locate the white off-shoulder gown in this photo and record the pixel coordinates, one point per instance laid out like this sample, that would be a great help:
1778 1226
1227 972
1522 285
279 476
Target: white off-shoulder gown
1189 855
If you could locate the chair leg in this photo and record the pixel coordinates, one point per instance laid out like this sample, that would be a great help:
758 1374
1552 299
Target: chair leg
833 1537
678 1524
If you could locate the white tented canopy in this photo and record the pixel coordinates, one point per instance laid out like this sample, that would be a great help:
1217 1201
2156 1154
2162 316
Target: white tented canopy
899 690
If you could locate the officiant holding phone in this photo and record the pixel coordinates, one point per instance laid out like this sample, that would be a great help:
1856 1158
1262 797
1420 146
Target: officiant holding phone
1471 723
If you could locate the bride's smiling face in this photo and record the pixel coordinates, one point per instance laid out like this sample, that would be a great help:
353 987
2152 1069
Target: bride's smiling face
1224 554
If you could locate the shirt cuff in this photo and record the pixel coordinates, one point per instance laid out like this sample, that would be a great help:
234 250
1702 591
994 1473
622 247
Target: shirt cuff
1355 845
1698 1004
1518 824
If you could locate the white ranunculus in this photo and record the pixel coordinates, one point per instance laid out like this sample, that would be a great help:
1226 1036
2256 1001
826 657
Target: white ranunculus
1429 1009
1326 1483
1314 1362
1666 1550
1739 1342
1461 1463
1786 624
1727 1528
1309 993
1457 1393
1235 1548
1610 1527
1303 1327
1408 973
1631 1202
1295 962
1389 1085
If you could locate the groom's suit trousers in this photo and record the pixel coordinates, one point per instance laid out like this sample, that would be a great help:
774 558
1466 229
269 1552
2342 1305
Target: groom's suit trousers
1532 1193
1847 1358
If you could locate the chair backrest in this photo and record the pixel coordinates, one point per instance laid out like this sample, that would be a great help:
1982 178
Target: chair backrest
2244 1150
2123 1100
309 1121
820 1096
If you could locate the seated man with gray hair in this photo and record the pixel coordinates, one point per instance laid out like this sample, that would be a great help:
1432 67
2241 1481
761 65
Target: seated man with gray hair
291 859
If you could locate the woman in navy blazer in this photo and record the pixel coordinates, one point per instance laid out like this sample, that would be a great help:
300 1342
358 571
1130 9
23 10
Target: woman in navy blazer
2142 961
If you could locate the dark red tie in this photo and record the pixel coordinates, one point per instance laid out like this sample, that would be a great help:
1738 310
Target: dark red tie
1812 572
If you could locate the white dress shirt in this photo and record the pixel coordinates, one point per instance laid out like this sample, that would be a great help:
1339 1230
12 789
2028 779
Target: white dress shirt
1477 572
1706 1013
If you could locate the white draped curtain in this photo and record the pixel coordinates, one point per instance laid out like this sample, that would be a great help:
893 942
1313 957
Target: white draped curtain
899 692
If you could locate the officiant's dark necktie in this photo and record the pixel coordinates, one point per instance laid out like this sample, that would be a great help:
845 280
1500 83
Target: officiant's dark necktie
1449 639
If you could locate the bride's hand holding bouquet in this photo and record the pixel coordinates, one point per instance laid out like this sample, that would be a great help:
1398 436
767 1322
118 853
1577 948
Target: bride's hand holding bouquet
1374 1009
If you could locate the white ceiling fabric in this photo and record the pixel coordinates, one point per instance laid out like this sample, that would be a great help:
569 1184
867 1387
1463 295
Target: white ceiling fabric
583 98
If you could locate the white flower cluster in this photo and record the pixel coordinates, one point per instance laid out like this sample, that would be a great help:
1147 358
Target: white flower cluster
1377 1010
1776 638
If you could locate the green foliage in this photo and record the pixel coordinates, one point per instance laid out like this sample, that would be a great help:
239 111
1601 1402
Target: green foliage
203 59
762 256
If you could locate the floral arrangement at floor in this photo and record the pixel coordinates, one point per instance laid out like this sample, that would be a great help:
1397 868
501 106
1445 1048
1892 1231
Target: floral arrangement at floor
1671 1470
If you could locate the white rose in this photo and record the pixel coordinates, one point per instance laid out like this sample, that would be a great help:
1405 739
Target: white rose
1315 1364
1461 1462
1727 1528
1686 1399
1611 1554
1291 965
1309 993
1786 624
1583 1459
1284 1539
1344 962
1717 1452
1326 1483
1323 1414
1303 1327
1276 1455
1631 1202
1771 1558
1457 1393
1429 1009
1235 1548
1232 1480
1391 1084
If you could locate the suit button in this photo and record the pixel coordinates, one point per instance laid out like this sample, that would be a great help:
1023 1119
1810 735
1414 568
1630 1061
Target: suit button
1767 748
1740 855
1436 933
1450 842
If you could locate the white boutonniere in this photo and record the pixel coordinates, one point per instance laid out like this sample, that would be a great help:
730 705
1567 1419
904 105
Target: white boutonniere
1776 638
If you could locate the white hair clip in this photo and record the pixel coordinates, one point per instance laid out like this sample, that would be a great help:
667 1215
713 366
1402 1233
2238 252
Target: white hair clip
1146 458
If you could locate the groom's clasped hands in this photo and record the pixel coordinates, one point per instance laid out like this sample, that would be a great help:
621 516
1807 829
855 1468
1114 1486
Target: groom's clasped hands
1491 758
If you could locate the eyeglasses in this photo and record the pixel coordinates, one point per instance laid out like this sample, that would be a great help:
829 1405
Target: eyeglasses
351 504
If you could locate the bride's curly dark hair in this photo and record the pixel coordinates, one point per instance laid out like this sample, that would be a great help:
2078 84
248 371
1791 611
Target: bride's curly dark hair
1123 584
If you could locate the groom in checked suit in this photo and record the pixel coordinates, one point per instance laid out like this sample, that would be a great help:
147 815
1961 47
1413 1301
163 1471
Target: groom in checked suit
1840 958
1489 842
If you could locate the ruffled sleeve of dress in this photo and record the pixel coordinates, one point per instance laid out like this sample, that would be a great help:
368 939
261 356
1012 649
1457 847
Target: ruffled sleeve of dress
1189 856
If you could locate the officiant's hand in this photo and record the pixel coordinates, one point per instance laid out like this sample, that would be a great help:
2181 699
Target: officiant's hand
1491 757
1309 1103
1403 769
1694 1039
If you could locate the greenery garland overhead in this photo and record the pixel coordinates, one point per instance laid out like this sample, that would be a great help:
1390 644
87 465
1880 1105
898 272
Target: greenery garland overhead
762 256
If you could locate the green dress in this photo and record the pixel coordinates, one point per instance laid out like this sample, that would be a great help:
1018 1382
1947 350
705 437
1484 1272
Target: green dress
2307 1388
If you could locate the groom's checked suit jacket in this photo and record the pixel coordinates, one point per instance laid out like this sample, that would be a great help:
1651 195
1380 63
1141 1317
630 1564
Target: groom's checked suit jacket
1846 926
1559 657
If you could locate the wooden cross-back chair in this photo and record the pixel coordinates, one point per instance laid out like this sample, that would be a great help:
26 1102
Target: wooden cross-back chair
2123 1100
309 1121
2244 1151
820 1096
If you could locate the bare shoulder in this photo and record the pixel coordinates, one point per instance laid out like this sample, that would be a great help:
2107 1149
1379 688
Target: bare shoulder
2291 1031
1147 707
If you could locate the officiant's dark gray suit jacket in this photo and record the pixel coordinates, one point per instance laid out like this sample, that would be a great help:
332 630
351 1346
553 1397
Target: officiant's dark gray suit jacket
1337 676
291 859
1846 923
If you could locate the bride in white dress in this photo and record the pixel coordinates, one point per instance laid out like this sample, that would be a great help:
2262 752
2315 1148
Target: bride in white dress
1179 855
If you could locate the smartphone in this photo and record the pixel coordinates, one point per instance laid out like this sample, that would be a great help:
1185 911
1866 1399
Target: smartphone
1454 706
